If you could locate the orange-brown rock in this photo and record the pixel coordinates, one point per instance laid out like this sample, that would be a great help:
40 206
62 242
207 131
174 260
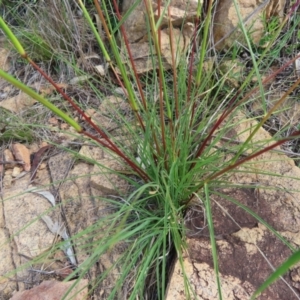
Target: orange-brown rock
53 290
22 153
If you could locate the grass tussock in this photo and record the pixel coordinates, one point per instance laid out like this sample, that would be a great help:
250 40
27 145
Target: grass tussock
174 134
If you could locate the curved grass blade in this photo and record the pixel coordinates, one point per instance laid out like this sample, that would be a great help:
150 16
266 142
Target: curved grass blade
281 270
212 239
41 99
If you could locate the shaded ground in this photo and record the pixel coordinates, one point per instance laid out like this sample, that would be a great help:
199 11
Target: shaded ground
247 250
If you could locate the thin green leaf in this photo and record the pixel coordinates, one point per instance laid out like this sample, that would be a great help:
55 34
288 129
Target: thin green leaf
12 38
210 223
41 99
292 260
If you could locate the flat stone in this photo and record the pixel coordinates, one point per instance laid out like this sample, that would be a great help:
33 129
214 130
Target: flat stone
17 103
226 21
16 171
8 156
22 153
54 290
7 179
31 235
7 286
4 59
104 179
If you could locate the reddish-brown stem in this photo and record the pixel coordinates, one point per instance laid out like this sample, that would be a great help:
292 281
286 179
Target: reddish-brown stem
157 49
191 61
293 9
158 30
208 15
144 102
231 107
109 144
243 160
101 16
173 55
132 165
266 80
173 67
216 125
74 105
161 96
161 112
103 23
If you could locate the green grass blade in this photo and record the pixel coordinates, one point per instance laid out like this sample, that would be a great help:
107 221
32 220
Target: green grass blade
95 32
41 99
204 42
281 270
212 239
12 37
